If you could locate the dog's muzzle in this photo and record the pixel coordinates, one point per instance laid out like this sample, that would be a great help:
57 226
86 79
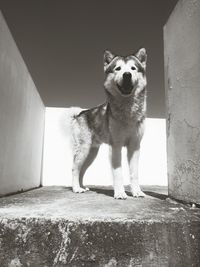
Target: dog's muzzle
126 86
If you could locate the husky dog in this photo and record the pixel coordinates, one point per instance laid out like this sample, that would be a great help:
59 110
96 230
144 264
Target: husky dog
118 122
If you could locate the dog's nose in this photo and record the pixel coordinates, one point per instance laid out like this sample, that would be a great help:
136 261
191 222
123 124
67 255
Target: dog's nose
127 76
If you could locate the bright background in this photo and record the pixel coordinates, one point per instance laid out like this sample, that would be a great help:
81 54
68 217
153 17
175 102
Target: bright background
57 162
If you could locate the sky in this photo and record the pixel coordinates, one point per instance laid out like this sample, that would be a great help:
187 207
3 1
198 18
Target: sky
62 43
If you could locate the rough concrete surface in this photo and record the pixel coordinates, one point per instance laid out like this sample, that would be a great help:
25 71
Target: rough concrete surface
51 226
182 83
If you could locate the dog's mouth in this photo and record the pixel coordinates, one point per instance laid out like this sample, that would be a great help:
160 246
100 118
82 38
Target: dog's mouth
126 88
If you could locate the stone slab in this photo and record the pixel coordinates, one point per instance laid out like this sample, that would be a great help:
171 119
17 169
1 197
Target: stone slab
51 226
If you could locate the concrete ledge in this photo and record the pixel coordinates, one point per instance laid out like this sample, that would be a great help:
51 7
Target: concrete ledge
53 227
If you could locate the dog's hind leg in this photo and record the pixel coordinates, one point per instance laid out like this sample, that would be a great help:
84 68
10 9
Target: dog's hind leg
82 159
88 161
81 153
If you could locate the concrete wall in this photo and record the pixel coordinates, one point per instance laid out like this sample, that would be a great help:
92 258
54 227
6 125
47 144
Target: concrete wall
182 81
21 120
57 162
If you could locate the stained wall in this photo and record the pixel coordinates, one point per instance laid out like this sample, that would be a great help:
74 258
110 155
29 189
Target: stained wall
182 84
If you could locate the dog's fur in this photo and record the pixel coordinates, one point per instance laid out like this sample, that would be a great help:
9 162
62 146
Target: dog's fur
118 122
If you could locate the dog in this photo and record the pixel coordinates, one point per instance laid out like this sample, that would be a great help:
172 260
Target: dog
118 122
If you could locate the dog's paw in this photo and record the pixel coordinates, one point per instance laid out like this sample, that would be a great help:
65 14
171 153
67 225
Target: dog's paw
80 189
120 195
87 189
137 192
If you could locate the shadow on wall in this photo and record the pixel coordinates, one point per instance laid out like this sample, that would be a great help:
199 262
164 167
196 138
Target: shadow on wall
57 161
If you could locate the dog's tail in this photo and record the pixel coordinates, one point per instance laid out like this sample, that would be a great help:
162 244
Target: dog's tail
66 120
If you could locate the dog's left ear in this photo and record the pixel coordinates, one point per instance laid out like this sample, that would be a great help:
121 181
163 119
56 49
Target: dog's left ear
142 56
108 57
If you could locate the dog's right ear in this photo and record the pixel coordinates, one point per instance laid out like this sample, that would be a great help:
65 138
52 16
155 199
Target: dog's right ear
142 56
108 57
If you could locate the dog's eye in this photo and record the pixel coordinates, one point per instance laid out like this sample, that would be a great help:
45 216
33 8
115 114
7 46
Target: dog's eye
118 68
133 68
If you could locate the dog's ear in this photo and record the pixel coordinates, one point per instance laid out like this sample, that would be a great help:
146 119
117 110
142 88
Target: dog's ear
142 56
108 57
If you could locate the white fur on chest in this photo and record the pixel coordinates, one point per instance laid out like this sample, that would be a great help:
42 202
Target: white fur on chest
131 131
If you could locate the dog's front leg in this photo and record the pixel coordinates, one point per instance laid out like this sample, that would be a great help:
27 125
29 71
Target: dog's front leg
133 159
115 158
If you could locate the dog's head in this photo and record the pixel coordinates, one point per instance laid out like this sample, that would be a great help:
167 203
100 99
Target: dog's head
125 75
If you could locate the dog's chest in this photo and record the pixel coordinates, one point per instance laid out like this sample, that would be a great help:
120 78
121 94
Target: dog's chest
106 128
124 132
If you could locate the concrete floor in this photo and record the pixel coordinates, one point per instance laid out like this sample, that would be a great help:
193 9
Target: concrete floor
96 204
51 226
